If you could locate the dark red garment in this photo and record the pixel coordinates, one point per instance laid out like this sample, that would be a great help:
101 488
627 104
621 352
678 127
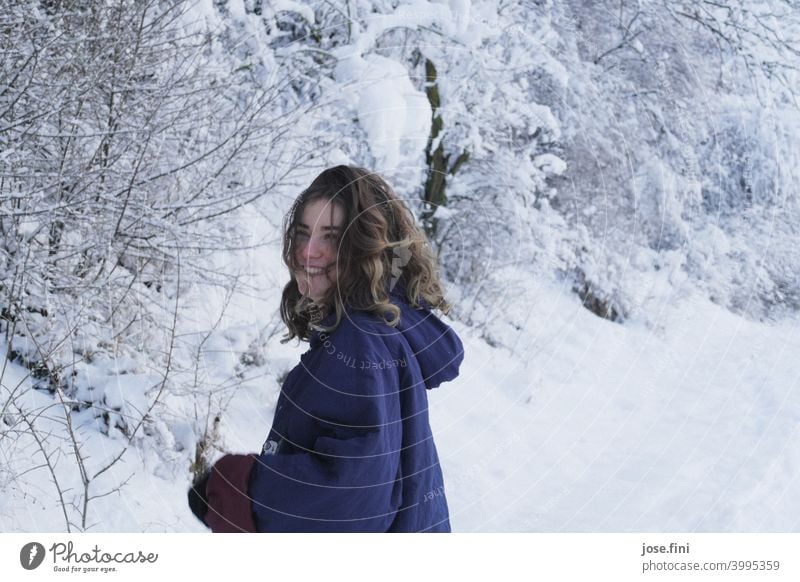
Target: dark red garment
229 505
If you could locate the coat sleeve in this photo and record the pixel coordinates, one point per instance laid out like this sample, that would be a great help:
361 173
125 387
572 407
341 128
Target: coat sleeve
342 468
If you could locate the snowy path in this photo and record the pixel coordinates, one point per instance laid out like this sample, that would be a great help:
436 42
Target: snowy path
602 427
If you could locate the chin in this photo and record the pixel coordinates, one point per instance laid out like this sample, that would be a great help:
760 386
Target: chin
319 296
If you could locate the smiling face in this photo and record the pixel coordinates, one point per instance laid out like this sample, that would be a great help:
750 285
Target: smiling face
316 245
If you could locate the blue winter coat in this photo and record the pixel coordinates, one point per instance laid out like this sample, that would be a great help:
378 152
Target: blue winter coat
351 447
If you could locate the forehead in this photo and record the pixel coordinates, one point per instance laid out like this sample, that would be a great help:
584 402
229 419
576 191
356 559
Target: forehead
320 213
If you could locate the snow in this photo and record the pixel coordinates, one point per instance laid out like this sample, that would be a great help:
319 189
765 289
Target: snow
589 426
550 164
394 114
305 11
585 426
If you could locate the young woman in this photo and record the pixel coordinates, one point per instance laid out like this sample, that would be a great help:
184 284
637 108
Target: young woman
350 447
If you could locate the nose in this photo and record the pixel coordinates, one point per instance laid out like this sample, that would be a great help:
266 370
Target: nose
311 249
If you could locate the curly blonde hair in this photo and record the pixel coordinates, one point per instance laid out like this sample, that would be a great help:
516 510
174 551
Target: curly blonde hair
381 247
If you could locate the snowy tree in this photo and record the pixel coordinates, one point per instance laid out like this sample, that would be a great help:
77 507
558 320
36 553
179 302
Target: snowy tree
670 174
127 129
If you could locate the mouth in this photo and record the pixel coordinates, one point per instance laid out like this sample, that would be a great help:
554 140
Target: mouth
312 271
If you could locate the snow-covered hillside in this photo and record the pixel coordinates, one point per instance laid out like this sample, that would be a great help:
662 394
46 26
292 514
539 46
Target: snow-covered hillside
587 426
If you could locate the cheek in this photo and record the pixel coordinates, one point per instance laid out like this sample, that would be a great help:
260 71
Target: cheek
298 248
334 272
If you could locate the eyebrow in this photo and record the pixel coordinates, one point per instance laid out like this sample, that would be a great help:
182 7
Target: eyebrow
302 225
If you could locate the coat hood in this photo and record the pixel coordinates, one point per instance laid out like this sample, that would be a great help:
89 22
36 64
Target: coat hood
435 345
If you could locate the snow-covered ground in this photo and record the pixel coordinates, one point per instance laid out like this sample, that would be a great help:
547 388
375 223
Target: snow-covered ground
590 426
